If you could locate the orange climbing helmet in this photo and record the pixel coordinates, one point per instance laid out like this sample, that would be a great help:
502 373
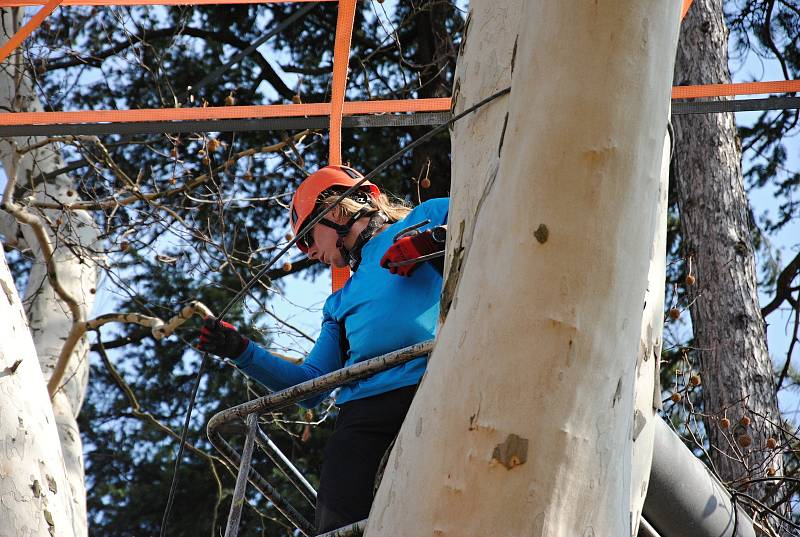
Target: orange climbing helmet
305 199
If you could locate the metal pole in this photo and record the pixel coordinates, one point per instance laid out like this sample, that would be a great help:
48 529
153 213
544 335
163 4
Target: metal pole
241 479
262 485
646 530
684 498
290 470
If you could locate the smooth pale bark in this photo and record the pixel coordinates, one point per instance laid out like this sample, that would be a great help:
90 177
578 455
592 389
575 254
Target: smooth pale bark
524 423
34 493
49 317
730 341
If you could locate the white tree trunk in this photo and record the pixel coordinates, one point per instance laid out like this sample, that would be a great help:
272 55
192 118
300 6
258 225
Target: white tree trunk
34 493
524 423
74 246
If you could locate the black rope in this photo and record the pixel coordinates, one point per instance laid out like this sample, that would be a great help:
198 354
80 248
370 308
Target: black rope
174 485
306 229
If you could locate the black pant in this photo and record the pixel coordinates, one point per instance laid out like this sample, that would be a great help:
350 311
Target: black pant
364 430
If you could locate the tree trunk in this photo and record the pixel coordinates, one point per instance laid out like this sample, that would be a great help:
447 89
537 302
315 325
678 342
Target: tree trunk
75 258
34 493
729 338
525 421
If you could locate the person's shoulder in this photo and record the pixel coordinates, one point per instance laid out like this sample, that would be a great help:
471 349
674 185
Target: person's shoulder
436 208
332 303
436 204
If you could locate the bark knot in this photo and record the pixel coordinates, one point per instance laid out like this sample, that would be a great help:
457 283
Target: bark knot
541 233
512 452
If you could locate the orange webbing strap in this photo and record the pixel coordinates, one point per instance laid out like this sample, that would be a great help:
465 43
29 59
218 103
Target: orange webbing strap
685 7
27 29
339 277
24 3
739 88
341 60
221 112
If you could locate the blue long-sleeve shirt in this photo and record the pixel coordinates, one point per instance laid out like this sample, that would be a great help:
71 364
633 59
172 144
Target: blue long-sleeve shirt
381 312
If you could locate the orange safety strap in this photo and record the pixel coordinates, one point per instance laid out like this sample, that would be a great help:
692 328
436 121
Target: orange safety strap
739 88
24 3
341 61
685 7
17 39
221 112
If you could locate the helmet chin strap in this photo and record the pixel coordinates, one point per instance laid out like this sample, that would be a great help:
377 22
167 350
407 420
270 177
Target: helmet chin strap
353 255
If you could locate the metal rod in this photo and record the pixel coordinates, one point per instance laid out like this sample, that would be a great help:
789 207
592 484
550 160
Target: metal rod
263 486
739 105
403 232
225 125
235 515
646 530
419 259
282 461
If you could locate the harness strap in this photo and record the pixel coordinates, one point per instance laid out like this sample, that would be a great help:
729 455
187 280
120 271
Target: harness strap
375 223
344 344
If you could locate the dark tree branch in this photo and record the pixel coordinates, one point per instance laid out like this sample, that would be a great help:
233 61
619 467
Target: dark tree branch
137 336
788 362
783 291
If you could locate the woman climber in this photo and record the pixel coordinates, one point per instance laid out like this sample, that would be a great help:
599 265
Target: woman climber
376 312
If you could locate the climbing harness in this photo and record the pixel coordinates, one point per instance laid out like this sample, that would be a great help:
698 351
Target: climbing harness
305 229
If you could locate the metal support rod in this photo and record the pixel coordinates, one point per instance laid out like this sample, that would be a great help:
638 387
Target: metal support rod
646 530
290 471
235 515
263 486
684 498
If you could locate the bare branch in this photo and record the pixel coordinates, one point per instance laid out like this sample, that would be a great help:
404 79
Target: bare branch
783 291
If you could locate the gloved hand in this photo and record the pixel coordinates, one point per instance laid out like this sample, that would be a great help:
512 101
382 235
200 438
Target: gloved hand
221 338
408 248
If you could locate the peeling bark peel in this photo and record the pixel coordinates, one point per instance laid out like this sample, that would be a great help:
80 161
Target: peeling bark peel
33 482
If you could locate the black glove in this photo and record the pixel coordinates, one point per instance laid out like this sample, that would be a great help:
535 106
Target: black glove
221 338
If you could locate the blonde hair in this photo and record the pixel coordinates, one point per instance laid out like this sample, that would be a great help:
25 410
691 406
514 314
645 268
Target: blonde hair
395 209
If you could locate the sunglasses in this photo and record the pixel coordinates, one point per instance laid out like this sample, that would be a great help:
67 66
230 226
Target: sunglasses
307 240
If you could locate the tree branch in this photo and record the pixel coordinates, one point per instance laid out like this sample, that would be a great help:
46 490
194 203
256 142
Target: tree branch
163 33
110 203
783 291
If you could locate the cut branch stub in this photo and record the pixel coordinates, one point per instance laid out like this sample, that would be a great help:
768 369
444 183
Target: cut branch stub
512 452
